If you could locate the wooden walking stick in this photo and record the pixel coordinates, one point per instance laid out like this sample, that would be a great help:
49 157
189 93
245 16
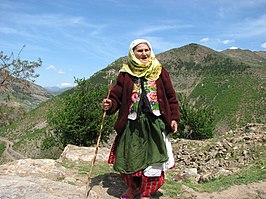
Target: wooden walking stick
97 146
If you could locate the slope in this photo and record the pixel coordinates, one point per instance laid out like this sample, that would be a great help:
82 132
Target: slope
234 88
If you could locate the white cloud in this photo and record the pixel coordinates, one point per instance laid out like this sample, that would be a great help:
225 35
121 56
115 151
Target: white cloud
263 45
61 71
233 48
153 29
8 30
227 41
51 68
252 27
205 39
157 28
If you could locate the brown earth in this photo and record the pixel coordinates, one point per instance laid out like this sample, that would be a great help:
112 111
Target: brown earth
45 178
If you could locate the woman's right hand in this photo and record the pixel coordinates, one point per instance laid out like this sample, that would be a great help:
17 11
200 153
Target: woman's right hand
106 104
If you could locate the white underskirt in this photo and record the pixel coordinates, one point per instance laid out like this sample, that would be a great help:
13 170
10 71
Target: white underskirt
156 169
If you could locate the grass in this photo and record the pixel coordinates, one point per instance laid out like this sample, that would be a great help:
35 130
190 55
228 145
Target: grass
233 104
104 173
2 148
254 173
100 168
248 175
28 137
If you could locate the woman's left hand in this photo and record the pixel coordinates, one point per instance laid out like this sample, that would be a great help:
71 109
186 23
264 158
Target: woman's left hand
174 126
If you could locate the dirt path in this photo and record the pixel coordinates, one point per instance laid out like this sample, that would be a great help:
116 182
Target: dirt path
110 186
250 191
9 153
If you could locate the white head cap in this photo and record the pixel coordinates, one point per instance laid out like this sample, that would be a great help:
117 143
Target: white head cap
139 41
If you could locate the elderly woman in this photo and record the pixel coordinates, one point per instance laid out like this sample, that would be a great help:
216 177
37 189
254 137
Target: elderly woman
148 112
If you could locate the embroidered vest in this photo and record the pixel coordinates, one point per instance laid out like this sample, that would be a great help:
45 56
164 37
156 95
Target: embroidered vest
151 96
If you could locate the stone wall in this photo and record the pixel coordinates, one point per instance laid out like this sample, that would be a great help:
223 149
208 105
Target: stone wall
207 159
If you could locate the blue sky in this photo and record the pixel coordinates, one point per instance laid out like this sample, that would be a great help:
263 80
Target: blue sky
76 38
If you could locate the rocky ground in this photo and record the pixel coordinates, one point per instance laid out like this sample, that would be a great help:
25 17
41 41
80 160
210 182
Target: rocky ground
202 161
51 179
48 179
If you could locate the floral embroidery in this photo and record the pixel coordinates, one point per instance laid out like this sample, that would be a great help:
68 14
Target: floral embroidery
150 87
151 90
135 97
152 84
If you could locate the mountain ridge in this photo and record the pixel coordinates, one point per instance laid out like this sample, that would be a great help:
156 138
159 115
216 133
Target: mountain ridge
235 89
26 93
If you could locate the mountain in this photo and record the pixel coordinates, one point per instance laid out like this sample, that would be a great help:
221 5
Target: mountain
25 93
247 56
20 96
53 88
231 82
56 90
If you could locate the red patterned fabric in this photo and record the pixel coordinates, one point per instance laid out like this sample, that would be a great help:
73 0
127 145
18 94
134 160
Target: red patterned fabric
111 159
148 185
128 179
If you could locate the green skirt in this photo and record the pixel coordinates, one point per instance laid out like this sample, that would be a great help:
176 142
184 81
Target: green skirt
141 144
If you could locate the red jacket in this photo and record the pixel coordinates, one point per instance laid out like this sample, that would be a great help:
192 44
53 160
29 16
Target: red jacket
121 99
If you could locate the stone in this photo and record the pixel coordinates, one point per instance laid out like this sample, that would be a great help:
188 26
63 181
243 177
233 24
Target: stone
192 174
34 167
84 154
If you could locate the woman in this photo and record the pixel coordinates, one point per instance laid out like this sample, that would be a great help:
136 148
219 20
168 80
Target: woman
148 111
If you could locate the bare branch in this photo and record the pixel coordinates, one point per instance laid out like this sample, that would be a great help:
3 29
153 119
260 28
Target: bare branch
12 68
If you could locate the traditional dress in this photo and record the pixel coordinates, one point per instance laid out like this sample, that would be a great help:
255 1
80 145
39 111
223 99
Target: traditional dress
142 150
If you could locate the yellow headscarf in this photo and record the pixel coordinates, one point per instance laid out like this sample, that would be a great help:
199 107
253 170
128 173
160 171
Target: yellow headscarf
151 70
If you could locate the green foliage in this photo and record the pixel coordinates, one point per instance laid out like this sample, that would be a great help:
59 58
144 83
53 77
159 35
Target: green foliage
225 67
108 73
48 142
195 123
212 65
2 148
233 104
77 120
6 117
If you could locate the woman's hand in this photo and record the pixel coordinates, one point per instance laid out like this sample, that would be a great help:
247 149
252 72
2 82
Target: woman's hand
106 104
174 126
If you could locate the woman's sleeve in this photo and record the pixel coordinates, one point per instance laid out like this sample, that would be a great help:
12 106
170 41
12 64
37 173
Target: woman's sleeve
171 95
116 94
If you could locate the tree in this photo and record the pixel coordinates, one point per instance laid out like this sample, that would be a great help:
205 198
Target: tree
77 120
12 68
195 123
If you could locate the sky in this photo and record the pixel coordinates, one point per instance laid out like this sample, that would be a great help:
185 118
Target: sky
76 38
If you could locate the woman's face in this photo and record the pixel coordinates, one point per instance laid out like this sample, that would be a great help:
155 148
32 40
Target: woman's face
142 52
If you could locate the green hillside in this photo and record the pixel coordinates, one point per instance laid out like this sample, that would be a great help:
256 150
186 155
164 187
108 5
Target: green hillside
232 82
18 97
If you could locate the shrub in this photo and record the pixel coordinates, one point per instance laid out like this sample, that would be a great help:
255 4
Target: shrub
77 120
195 123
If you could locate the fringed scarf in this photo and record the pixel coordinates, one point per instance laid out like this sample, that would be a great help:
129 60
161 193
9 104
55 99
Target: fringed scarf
151 71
